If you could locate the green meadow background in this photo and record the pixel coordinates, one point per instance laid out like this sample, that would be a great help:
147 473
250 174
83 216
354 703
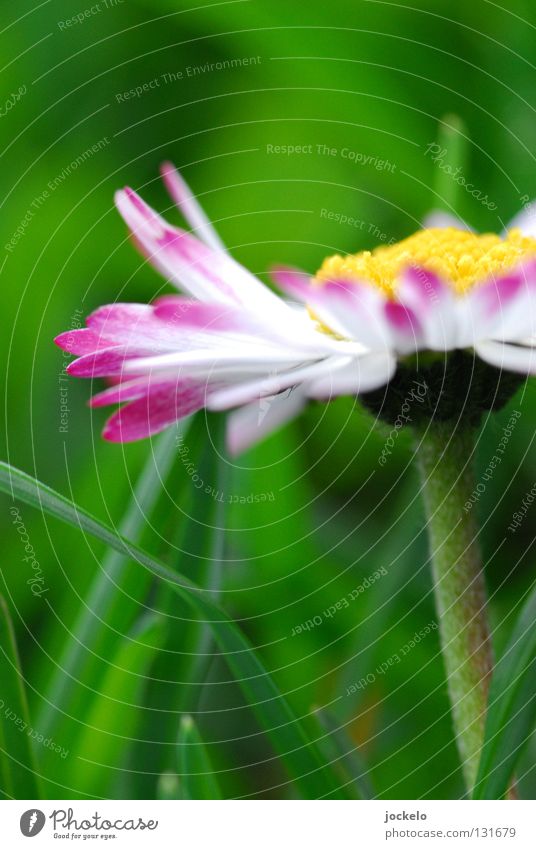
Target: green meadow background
311 514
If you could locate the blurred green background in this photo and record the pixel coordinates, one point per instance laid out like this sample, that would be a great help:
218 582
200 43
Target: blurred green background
370 77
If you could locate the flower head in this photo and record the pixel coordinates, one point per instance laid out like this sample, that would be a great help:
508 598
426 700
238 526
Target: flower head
425 305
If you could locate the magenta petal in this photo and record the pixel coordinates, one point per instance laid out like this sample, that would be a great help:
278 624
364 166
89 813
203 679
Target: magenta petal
181 193
81 341
105 363
402 319
131 390
185 312
292 281
147 416
494 297
424 288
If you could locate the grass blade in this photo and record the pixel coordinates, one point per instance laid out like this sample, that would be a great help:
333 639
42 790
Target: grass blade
91 639
195 772
343 752
304 762
511 707
113 721
178 674
17 760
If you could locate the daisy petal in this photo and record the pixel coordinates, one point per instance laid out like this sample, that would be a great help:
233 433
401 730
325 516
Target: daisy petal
525 221
431 300
153 413
362 374
82 341
353 310
252 423
181 193
439 218
292 281
204 273
270 384
516 358
505 309
405 327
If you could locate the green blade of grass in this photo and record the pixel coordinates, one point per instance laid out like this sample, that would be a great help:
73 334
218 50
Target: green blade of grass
17 758
343 752
511 711
80 665
167 786
178 674
302 758
113 722
195 772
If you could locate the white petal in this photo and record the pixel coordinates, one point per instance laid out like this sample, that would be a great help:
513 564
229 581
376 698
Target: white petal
252 423
508 357
194 214
441 219
362 374
206 274
503 309
271 384
525 221
434 304
354 310
204 361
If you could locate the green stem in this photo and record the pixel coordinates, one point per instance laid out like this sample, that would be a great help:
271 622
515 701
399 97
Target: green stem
445 462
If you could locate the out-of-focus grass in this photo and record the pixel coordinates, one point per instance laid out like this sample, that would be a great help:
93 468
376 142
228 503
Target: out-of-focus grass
371 77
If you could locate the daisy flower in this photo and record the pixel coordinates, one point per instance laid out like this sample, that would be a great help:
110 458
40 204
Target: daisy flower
453 307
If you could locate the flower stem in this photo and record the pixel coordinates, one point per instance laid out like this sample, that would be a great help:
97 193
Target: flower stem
444 456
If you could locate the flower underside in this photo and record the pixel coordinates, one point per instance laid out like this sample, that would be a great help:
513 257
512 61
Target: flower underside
461 258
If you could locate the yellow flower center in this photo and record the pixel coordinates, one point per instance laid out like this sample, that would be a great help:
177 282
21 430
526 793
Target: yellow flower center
461 258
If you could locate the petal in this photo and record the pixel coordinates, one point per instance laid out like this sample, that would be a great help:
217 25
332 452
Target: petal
518 358
406 329
292 281
81 341
194 214
109 361
130 390
206 274
525 220
252 423
270 384
353 310
362 374
505 308
434 305
151 414
441 219
204 362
